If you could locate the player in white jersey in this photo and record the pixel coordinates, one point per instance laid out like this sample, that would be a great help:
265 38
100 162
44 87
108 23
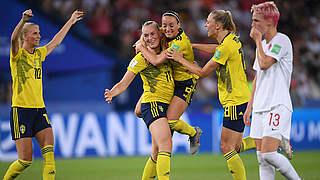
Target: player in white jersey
270 101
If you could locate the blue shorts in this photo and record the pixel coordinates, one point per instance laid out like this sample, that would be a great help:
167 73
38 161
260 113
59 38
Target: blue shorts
26 122
152 111
233 117
185 89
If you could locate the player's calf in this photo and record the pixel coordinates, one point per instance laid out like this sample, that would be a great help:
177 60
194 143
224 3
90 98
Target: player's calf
16 168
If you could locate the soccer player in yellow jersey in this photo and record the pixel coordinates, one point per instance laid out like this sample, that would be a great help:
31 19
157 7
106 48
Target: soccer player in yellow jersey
158 89
28 117
228 61
185 83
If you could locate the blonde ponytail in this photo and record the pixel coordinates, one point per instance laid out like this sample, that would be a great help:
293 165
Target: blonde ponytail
230 25
225 18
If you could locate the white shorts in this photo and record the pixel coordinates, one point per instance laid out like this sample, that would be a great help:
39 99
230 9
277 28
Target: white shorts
275 123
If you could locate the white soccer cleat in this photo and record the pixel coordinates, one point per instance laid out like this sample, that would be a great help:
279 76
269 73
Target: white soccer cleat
195 141
286 148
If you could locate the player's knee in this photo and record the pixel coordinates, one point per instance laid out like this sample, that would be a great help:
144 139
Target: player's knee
137 112
269 157
237 148
225 148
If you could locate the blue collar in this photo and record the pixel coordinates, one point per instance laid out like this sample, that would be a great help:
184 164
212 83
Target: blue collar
224 38
179 33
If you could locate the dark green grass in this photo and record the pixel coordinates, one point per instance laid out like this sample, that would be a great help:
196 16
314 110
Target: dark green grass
183 167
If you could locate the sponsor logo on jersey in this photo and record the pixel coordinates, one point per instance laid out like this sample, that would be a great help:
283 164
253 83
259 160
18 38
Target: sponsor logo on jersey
133 63
217 54
276 49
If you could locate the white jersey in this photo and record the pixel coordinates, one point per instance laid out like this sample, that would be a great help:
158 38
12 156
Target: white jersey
272 85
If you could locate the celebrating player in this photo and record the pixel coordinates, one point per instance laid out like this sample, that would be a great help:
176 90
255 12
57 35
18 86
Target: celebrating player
158 89
185 83
270 101
28 117
228 61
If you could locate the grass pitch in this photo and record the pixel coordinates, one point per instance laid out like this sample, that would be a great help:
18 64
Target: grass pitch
183 167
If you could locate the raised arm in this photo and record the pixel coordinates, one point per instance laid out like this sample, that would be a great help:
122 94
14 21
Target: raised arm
26 16
264 61
247 114
153 58
57 39
119 87
192 67
209 48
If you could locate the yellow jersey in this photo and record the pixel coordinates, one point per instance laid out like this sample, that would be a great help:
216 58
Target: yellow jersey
26 72
182 44
232 80
158 83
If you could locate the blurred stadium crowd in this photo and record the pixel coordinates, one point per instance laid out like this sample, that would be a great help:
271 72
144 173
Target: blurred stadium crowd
116 24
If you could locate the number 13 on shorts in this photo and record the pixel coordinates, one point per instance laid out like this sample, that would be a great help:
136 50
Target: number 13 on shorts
274 119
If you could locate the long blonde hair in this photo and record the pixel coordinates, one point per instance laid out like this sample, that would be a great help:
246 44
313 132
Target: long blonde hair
24 31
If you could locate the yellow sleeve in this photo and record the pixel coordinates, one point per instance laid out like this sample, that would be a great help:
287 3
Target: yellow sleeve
177 45
137 64
221 55
43 51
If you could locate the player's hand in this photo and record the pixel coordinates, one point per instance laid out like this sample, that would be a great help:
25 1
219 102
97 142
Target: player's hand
255 34
107 96
246 117
76 16
135 46
27 15
174 54
139 44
